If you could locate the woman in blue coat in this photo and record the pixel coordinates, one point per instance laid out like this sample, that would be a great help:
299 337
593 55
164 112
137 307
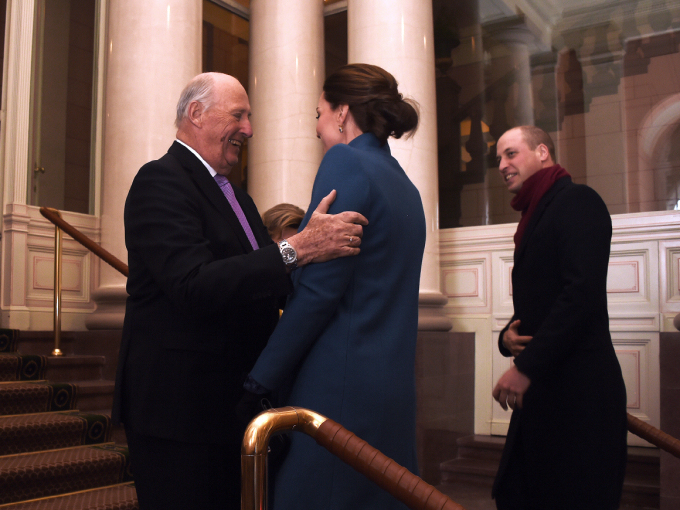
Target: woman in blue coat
345 345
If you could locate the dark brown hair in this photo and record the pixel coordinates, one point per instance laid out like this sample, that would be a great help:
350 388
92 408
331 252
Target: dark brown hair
535 136
374 100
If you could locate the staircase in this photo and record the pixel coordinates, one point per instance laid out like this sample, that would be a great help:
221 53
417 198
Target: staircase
479 456
57 446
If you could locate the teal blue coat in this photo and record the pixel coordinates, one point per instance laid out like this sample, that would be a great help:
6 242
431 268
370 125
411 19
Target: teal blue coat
345 345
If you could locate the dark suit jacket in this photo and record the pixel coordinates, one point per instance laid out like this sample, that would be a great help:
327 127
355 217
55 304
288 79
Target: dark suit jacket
201 302
570 435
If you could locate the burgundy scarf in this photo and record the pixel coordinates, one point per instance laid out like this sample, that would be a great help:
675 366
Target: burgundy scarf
530 194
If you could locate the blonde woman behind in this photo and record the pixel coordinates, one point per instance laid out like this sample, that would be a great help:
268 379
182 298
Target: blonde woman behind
283 221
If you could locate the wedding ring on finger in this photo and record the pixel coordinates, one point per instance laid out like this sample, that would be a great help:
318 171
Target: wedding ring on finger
351 239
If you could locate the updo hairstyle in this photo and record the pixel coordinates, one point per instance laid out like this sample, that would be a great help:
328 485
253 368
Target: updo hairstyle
372 96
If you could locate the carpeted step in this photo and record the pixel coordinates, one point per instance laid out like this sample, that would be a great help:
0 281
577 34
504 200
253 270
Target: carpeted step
37 475
74 368
117 497
49 431
94 395
17 367
8 340
117 431
42 396
32 367
36 397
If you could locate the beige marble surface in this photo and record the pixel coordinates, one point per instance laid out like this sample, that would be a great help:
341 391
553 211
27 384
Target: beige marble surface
397 35
286 76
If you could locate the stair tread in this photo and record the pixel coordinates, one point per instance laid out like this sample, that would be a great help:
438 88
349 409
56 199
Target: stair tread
36 396
47 473
120 497
39 418
641 482
480 441
46 431
95 385
75 359
477 465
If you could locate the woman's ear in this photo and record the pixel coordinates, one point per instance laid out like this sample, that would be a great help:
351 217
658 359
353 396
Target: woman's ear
343 110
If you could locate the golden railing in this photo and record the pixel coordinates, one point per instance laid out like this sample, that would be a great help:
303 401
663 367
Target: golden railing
386 473
655 436
62 225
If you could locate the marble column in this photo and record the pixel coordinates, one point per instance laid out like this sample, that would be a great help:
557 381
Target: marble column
397 35
513 56
145 75
286 77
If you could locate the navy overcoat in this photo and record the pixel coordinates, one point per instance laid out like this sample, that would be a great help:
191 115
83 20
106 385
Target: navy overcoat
345 345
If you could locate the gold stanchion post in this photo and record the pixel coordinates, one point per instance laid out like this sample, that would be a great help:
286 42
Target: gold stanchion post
57 291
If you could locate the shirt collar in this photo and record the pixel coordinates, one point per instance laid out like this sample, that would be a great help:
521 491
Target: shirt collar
210 169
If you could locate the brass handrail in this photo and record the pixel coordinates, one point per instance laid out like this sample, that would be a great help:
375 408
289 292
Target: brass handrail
653 435
386 473
54 216
60 224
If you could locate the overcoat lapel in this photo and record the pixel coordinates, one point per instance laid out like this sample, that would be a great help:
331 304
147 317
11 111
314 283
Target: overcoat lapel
205 182
538 213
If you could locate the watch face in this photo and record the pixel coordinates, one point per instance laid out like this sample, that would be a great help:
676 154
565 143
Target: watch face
289 255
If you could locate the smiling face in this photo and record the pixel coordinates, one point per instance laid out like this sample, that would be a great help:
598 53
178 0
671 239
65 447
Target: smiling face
224 126
327 124
516 161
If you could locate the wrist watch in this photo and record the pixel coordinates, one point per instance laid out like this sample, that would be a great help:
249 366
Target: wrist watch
288 254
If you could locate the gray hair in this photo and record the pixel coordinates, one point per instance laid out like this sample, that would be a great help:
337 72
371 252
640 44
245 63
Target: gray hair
199 89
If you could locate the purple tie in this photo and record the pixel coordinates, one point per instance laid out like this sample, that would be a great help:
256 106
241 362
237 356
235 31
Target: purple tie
228 191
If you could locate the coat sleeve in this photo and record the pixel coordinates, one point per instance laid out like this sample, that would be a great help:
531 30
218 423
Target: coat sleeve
504 351
584 233
319 287
172 248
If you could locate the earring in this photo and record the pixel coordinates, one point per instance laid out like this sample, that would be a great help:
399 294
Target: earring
340 128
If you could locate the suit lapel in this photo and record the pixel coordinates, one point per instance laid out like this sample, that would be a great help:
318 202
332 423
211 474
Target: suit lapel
538 213
206 183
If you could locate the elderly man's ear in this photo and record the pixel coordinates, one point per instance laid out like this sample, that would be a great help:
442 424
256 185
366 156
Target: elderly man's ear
195 113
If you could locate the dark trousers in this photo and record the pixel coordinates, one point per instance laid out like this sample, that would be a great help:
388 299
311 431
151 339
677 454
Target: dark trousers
173 475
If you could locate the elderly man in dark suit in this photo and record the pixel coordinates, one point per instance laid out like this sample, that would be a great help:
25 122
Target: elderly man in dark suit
205 286
566 445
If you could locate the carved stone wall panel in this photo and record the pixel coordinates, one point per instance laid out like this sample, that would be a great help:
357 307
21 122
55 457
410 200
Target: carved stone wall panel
466 283
669 261
75 279
28 274
633 286
638 355
503 262
500 419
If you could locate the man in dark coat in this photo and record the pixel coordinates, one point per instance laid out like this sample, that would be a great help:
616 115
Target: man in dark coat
204 291
566 444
